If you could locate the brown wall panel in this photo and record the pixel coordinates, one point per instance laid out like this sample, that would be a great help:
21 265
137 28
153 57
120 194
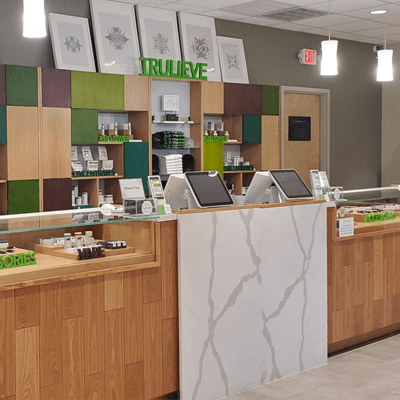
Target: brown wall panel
151 285
95 387
56 88
57 194
54 392
169 269
27 363
242 99
170 355
114 291
134 377
72 298
94 324
73 359
7 344
133 316
27 307
114 355
152 327
51 359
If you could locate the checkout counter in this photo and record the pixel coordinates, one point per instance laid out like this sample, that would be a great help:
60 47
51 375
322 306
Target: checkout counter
364 268
252 293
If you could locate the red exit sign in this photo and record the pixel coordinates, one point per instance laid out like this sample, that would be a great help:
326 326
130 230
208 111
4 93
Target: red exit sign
307 56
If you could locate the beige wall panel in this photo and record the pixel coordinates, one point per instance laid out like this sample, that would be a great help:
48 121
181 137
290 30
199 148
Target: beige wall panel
56 143
22 143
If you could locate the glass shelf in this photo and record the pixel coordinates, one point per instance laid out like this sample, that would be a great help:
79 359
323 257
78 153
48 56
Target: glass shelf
373 194
176 122
61 219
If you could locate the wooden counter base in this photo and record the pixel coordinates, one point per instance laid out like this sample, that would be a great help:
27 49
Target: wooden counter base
363 285
110 336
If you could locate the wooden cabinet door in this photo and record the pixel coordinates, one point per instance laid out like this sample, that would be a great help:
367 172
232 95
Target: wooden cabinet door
242 99
56 143
22 143
271 157
212 94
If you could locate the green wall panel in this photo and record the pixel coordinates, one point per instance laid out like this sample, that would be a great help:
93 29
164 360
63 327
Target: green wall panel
252 129
136 162
21 86
84 127
97 91
214 157
3 125
23 197
270 100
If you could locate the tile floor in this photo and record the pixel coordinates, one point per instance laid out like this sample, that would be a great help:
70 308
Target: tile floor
371 372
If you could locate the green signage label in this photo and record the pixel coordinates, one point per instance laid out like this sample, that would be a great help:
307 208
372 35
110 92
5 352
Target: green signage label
172 69
383 216
17 260
215 139
113 139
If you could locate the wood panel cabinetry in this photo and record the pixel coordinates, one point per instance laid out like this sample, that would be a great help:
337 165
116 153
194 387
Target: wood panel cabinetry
363 285
22 143
22 86
137 93
111 336
242 99
213 97
56 143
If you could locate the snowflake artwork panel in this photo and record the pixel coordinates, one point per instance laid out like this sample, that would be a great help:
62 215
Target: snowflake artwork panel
71 43
201 49
159 39
158 33
116 37
233 61
73 50
199 42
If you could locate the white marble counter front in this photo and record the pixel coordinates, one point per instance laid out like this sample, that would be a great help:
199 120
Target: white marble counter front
252 297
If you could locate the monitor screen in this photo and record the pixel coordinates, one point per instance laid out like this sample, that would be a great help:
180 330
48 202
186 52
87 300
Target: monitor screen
290 183
208 189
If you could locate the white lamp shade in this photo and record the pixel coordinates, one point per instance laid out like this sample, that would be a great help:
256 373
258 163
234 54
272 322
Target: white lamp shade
34 19
329 57
385 66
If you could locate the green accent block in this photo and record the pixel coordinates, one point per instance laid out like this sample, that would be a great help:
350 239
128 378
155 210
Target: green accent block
84 127
3 125
97 91
270 100
23 197
214 157
21 86
136 162
251 129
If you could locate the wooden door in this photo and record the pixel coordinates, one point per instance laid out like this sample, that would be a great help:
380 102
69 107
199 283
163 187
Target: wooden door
301 155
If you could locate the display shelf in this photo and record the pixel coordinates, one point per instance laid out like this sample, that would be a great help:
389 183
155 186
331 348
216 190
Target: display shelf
232 143
240 172
84 178
3 181
176 122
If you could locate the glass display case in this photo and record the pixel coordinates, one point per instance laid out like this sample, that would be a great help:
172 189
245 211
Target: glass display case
59 244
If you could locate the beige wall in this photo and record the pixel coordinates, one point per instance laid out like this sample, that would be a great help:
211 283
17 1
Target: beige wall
391 124
356 99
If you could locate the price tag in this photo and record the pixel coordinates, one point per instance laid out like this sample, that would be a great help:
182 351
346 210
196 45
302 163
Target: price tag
346 227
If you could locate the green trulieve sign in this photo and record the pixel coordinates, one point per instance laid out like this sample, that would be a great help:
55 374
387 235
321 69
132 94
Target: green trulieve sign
172 69
17 260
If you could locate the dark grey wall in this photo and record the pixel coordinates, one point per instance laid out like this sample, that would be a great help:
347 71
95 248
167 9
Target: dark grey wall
356 99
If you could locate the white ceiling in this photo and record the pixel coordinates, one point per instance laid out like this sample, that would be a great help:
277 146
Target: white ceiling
350 19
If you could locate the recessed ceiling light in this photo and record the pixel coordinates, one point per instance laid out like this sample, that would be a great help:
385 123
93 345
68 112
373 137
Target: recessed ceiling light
378 12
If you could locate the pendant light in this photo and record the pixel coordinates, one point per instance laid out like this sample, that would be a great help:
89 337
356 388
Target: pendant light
34 19
329 53
385 63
